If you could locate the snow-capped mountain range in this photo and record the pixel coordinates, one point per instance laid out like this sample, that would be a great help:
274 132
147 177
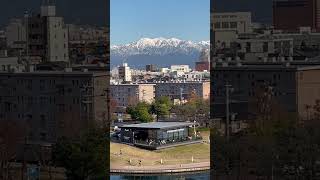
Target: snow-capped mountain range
159 46
158 51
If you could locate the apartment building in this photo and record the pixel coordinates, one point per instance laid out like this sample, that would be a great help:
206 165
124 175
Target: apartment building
15 33
180 68
227 25
203 63
53 104
47 35
87 33
256 48
292 87
124 72
183 90
151 68
130 94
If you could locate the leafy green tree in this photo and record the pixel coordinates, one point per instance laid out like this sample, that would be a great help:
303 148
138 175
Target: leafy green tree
195 107
140 112
83 158
161 107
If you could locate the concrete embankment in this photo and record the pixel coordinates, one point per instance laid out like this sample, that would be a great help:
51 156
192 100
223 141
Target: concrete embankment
158 169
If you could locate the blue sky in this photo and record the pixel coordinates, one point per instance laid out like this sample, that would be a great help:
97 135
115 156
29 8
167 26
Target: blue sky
183 19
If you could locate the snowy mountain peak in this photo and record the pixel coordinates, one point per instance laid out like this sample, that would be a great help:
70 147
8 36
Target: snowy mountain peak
159 46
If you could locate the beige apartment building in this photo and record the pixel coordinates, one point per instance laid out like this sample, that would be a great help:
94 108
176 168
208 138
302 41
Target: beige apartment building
130 94
295 87
183 90
53 104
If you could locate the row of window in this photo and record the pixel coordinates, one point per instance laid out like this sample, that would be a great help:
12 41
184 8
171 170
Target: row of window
226 25
251 93
250 76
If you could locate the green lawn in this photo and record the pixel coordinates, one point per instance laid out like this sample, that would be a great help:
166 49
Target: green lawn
175 155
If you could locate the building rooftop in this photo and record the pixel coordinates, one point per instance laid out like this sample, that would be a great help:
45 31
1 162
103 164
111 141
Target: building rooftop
158 125
287 66
134 84
57 73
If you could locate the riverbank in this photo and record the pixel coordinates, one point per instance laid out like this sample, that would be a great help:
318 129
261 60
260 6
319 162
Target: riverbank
159 169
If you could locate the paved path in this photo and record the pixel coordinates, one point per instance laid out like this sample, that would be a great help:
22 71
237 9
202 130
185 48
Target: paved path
161 168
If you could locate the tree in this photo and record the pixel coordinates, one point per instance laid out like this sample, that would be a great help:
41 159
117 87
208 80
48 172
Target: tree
161 107
83 158
196 107
11 135
140 112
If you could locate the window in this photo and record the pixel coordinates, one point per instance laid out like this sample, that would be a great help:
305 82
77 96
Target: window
42 84
43 136
217 25
225 25
233 25
42 121
248 47
42 100
265 47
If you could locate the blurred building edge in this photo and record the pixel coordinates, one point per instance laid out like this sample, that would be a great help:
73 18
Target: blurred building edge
203 64
291 15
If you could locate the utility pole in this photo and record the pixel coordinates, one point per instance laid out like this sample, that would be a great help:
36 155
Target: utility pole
143 94
181 95
26 16
227 124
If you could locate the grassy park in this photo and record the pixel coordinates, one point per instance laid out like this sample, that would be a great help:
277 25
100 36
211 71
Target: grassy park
120 154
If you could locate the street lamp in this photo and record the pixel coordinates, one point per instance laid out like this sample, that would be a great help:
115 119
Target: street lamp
194 129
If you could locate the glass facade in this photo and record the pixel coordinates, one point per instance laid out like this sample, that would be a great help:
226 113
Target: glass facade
157 137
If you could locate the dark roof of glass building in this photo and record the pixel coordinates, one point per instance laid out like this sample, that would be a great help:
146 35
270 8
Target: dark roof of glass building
158 125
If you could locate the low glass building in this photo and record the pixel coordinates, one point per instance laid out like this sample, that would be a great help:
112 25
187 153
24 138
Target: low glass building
158 135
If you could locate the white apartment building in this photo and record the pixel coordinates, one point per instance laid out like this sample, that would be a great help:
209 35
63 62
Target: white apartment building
43 37
15 33
57 34
57 40
180 68
130 94
227 25
164 70
125 73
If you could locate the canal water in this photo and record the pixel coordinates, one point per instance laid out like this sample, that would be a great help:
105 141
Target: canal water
189 176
